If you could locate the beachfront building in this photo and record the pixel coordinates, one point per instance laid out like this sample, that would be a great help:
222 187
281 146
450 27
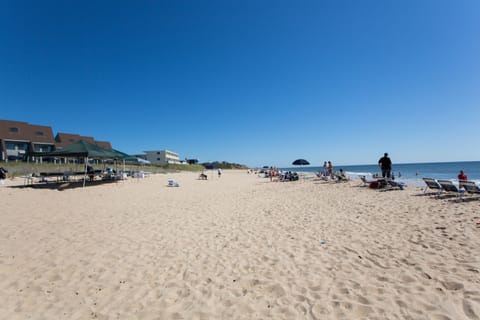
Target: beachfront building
64 139
162 157
18 138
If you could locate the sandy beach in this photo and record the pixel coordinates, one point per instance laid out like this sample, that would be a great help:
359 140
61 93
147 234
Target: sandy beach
236 247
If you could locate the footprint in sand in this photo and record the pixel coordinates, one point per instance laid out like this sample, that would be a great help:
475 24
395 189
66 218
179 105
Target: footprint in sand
319 311
452 285
363 300
469 311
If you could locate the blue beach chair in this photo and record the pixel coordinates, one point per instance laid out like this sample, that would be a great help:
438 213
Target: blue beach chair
448 186
432 184
470 187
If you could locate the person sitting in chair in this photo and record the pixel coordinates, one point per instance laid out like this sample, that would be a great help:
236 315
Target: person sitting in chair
340 175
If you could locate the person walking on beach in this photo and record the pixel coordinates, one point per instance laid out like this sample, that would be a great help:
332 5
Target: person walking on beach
330 169
385 165
219 172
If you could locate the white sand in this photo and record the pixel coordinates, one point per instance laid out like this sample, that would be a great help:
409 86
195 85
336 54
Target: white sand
238 247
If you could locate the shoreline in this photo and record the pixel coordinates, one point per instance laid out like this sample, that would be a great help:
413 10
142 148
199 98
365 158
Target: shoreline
412 171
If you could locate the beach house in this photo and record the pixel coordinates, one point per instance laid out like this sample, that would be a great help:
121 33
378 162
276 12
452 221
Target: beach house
162 157
64 139
18 138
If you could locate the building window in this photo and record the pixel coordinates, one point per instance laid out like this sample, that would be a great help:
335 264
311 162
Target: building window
43 148
16 145
39 133
158 159
13 129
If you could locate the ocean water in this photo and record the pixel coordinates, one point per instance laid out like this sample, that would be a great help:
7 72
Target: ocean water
410 173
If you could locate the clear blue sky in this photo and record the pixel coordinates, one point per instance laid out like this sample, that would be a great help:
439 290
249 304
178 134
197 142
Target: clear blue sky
252 82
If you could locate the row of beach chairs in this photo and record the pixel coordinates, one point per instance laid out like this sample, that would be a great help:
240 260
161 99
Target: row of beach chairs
448 187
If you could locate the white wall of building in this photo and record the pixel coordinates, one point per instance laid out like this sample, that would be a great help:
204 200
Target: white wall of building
162 157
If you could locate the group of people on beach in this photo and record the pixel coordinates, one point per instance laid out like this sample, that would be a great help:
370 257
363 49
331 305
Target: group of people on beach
385 164
327 170
276 174
203 175
328 173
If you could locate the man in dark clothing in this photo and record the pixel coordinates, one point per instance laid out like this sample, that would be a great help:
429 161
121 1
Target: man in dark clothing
386 165
3 173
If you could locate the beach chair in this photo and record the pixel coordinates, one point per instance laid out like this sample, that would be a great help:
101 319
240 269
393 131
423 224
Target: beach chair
470 187
395 185
387 184
432 184
365 181
340 177
448 186
172 183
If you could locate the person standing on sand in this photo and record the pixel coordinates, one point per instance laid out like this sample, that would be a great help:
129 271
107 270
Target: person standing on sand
385 165
219 172
330 169
325 169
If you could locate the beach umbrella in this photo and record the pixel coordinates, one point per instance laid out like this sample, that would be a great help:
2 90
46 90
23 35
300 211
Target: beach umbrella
300 162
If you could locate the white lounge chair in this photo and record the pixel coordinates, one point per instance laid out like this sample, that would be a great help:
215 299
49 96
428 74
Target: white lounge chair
366 182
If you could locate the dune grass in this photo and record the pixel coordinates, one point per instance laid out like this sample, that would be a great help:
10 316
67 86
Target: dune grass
17 169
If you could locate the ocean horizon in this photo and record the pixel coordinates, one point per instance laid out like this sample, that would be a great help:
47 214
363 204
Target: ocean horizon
410 173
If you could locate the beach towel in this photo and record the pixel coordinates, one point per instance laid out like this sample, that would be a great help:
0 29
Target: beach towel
172 183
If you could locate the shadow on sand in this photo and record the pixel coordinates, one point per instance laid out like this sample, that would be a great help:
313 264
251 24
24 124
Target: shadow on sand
62 185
